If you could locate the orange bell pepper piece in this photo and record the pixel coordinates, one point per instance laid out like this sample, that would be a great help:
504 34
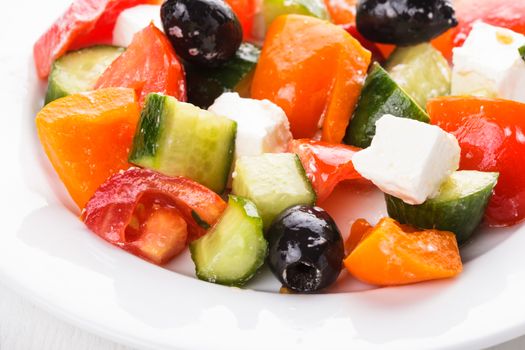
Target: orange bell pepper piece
314 71
395 254
341 11
87 137
360 230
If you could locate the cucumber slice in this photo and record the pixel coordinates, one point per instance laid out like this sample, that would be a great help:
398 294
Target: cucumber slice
234 249
421 71
274 182
275 8
78 71
205 85
459 207
177 138
381 95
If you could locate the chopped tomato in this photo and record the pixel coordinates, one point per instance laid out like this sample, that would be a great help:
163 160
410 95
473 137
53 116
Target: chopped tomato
148 65
341 11
140 210
395 254
491 135
377 54
501 13
314 71
325 164
85 22
359 231
87 137
245 11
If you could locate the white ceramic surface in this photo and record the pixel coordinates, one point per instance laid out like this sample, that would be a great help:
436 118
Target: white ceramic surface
47 254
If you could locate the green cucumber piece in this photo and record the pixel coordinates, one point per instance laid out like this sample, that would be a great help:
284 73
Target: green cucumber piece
179 139
274 182
205 85
381 95
234 249
421 71
78 71
272 9
522 52
459 207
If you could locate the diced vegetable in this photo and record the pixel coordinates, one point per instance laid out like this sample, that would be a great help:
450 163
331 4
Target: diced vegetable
132 21
151 215
245 11
148 65
203 32
374 48
521 50
274 182
421 71
87 137
490 133
234 249
404 23
84 23
306 249
395 254
360 230
275 8
506 14
459 207
325 164
341 11
408 159
78 71
381 95
317 83
205 85
179 139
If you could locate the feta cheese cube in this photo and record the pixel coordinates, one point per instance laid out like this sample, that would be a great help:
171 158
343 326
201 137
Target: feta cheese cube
408 159
262 127
133 20
489 65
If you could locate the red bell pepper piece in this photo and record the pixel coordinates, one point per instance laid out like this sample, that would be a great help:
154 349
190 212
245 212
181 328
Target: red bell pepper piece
148 65
501 13
325 164
245 11
491 134
140 211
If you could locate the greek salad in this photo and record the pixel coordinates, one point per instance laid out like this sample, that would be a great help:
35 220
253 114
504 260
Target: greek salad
223 127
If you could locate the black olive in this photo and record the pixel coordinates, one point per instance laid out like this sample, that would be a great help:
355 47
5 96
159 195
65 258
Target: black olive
205 32
306 249
404 22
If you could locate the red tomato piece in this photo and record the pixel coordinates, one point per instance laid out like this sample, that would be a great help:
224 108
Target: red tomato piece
507 14
79 18
325 164
131 207
491 134
245 11
148 65
377 55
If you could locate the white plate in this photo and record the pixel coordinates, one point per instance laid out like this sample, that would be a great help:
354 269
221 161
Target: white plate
47 254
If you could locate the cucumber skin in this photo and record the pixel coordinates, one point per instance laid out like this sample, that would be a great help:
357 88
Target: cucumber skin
204 85
380 96
459 216
262 250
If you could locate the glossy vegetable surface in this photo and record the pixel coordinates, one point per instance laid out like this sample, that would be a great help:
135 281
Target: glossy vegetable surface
306 249
491 135
360 230
204 32
341 11
404 22
318 82
149 64
87 137
325 164
394 254
139 210
245 11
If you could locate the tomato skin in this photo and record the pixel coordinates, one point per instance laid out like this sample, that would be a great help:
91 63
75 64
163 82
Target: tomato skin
109 213
245 11
148 65
311 80
501 13
491 135
325 164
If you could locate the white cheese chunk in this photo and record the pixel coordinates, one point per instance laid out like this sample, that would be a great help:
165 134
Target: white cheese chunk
489 65
133 20
408 159
262 127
